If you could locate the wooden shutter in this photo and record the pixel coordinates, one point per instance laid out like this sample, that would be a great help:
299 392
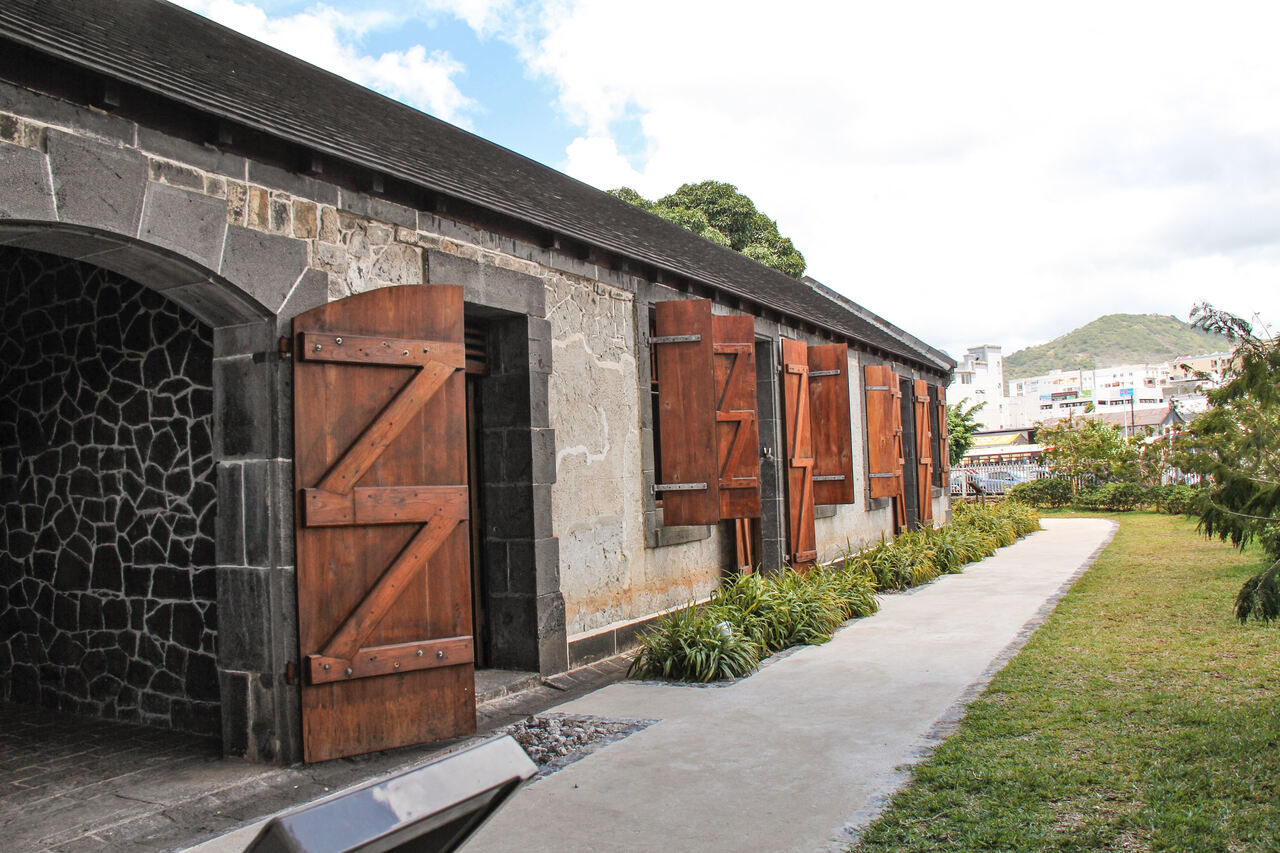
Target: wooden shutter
802 536
884 430
380 466
832 427
944 444
690 473
924 450
738 435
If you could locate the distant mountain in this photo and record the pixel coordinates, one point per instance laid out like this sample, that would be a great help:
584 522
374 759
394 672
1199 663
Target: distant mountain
1114 339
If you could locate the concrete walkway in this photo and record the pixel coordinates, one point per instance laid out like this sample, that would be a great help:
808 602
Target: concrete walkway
799 754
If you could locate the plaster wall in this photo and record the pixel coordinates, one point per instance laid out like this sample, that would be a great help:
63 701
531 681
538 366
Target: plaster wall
288 242
607 574
859 523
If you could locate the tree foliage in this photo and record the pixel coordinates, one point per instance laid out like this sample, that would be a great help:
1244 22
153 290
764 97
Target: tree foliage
717 211
961 425
1092 448
1235 447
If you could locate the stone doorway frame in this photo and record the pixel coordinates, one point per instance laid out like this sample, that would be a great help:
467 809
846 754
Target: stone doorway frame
253 541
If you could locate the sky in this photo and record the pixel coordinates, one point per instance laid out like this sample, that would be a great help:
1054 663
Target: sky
976 173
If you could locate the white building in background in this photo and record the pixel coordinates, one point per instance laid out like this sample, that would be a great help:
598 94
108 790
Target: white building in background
1120 388
1126 388
979 378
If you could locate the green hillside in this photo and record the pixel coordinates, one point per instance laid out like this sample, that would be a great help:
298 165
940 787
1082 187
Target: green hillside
1114 339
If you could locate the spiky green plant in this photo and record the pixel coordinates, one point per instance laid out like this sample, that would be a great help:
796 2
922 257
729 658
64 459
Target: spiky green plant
695 644
752 616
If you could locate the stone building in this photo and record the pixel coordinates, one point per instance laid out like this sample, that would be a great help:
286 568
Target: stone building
218 261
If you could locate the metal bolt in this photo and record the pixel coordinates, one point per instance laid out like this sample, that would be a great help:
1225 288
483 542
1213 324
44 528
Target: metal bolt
406 352
419 652
326 667
338 341
440 654
350 670
319 347
396 665
426 349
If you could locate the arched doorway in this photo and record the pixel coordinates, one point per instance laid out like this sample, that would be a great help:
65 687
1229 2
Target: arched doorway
109 601
147 568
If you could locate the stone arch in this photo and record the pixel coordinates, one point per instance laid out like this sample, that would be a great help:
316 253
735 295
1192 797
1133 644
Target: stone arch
253 553
208 296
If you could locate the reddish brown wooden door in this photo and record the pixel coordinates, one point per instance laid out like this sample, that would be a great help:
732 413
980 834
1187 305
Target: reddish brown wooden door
380 468
832 424
737 433
799 462
924 450
884 437
689 475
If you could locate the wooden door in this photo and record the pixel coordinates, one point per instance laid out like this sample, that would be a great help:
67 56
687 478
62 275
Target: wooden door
924 450
737 431
831 423
689 469
798 434
885 458
380 469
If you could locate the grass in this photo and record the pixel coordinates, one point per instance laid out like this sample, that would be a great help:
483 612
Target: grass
1141 716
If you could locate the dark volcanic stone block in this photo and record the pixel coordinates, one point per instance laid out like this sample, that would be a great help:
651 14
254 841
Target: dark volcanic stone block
28 194
189 223
112 508
96 184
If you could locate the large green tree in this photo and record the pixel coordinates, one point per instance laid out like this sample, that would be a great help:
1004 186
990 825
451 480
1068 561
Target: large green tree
962 423
1088 447
717 211
1235 447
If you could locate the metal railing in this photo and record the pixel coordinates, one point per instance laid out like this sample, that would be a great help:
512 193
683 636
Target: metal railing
978 481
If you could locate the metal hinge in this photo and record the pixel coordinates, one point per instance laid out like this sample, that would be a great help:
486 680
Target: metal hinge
291 673
827 478
675 339
813 373
877 387
678 487
285 346
878 476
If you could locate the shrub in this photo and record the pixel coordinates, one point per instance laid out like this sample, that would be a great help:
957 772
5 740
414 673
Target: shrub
852 589
1113 497
1175 499
1048 491
752 616
695 644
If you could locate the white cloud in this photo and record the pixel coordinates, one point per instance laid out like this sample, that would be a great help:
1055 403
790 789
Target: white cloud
596 160
331 40
978 172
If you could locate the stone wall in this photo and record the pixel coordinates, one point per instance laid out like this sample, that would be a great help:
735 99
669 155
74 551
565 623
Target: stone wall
574 541
106 470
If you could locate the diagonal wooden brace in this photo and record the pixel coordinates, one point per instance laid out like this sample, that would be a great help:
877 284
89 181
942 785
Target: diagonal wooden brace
351 635
366 449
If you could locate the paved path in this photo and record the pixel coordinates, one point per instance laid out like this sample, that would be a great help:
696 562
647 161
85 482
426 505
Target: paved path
794 757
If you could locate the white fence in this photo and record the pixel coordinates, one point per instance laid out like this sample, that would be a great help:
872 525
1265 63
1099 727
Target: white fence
979 480
972 481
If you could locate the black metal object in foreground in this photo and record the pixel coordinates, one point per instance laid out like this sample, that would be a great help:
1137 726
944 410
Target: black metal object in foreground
431 809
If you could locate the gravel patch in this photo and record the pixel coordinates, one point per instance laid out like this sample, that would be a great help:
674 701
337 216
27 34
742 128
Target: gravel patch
557 740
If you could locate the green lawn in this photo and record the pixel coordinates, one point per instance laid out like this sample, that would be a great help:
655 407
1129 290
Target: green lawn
1141 716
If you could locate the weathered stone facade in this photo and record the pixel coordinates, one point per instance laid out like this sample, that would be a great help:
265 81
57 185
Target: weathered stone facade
574 550
107 594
